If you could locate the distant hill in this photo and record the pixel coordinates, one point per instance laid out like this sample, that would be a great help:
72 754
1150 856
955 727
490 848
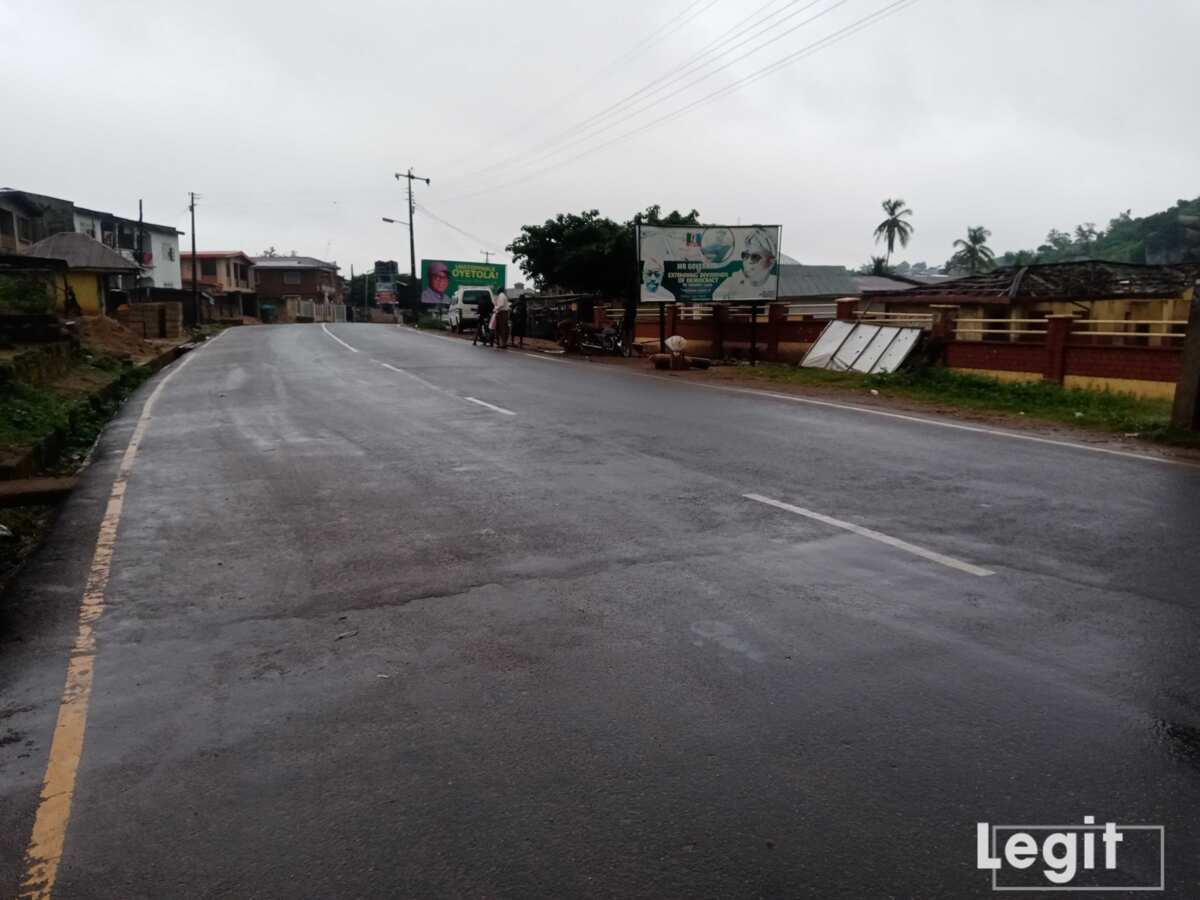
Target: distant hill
1170 236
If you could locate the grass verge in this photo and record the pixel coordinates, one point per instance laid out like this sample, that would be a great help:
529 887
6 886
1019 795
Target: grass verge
1037 400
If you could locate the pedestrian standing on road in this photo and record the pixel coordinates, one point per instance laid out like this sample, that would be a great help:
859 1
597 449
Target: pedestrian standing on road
501 317
519 312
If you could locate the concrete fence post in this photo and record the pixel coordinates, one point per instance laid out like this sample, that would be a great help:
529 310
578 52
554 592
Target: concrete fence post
1185 412
719 317
846 308
945 321
776 316
1058 329
672 319
598 314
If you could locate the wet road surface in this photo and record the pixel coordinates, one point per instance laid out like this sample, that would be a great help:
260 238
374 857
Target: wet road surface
389 615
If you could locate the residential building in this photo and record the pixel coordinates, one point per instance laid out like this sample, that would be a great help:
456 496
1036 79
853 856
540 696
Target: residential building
225 275
290 283
93 270
20 220
154 247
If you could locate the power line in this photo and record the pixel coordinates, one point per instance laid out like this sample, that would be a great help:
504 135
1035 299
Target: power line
453 227
695 64
650 39
814 47
696 60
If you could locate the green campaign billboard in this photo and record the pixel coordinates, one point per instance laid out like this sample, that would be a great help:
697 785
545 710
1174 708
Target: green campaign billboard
709 263
441 278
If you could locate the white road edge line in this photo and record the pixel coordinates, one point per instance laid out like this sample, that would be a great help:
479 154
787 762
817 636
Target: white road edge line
499 409
1145 457
338 339
949 561
542 357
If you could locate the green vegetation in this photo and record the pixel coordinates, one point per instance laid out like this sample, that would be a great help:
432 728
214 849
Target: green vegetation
1036 401
1172 235
973 255
587 253
24 294
893 227
433 323
27 414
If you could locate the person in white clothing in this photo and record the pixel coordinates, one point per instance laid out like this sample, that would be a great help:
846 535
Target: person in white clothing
500 319
652 276
756 281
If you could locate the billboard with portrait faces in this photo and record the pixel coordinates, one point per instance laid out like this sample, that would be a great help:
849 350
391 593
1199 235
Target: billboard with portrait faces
708 263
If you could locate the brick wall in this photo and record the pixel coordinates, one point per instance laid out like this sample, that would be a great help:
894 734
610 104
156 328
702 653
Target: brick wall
1140 363
776 338
154 320
989 355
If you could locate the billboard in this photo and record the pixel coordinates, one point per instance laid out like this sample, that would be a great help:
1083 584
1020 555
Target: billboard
708 263
440 278
386 272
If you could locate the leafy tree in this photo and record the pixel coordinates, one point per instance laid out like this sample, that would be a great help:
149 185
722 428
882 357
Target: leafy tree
973 255
270 252
894 227
586 252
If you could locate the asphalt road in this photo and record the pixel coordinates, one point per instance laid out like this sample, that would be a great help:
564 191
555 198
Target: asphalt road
417 619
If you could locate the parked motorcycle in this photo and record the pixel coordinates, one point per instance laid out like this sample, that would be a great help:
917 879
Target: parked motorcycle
583 337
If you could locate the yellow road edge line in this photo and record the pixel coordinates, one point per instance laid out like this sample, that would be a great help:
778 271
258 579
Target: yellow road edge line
58 788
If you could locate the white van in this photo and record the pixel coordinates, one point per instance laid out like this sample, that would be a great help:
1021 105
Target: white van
464 310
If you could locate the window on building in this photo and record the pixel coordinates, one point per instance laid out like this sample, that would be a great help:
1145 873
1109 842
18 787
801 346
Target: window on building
7 229
24 229
170 252
208 267
228 270
291 277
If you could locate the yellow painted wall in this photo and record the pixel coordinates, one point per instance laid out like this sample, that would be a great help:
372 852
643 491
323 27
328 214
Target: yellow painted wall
1000 374
1163 390
88 292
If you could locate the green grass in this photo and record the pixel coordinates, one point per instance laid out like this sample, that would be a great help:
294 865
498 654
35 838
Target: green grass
1036 400
434 323
28 414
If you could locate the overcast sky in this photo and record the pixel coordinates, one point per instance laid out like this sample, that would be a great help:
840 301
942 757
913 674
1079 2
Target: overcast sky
290 118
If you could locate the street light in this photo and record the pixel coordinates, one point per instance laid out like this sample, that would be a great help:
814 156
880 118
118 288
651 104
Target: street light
393 221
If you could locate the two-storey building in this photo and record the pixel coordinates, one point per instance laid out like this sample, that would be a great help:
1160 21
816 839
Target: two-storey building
225 275
297 286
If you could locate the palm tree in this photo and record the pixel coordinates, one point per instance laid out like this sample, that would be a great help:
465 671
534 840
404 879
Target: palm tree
974 254
894 226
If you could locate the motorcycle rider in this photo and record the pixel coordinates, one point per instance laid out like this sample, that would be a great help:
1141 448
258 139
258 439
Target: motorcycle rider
482 331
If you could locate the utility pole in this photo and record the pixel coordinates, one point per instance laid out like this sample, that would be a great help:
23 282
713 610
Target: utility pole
141 245
487 255
195 268
412 241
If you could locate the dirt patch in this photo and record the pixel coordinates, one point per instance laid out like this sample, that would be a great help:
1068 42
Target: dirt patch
107 337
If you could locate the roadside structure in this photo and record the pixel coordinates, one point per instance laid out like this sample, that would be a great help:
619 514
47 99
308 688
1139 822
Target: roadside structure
20 221
227 276
298 287
153 247
1097 289
92 272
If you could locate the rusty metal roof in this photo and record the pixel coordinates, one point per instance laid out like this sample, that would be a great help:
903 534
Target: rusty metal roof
1086 280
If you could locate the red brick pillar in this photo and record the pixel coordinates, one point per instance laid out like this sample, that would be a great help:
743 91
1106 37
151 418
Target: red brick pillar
776 316
846 308
719 317
599 313
1058 329
672 318
1185 412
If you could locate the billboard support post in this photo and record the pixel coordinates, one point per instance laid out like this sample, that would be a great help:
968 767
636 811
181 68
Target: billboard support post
662 328
754 334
